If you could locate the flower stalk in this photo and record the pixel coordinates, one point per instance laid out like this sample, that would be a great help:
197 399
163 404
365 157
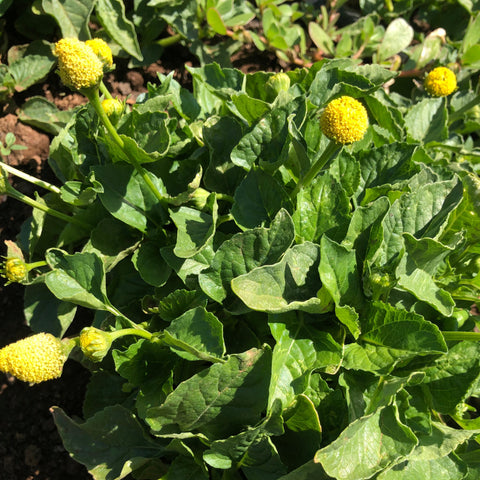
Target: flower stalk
459 336
29 178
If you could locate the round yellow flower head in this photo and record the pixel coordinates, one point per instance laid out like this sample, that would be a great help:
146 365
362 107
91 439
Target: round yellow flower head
95 343
112 107
34 359
78 66
102 51
344 120
15 270
440 82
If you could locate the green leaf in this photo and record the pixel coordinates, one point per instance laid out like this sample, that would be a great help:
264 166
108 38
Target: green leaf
453 377
197 334
389 336
267 144
32 64
398 36
340 276
322 208
150 264
46 314
72 16
218 401
77 278
177 303
291 284
257 200
251 109
421 260
300 348
126 195
244 252
215 21
111 14
108 453
195 229
320 38
388 440
426 121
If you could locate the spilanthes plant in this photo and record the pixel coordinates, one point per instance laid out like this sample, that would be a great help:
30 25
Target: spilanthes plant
35 359
440 82
301 282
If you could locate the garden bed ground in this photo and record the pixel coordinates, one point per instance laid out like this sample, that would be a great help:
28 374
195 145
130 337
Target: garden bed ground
30 447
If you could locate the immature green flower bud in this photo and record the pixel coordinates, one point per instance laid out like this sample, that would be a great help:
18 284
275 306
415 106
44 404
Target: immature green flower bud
78 66
15 270
95 343
344 120
280 82
199 198
102 51
440 82
35 359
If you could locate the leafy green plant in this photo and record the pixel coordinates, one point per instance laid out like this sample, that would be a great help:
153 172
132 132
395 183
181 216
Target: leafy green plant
271 300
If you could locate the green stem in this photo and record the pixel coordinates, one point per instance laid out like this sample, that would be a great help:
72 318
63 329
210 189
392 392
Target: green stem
224 218
29 178
41 263
224 196
44 208
105 91
454 336
330 151
166 42
96 104
131 331
459 113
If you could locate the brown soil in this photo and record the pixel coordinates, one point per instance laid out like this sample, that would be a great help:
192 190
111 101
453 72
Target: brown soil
30 447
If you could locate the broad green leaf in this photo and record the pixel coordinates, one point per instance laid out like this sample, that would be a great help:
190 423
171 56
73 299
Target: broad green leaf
215 21
322 208
244 252
320 38
111 14
398 36
42 114
126 195
218 401
449 466
307 471
247 448
300 348
423 212
291 284
46 314
177 303
150 264
389 336
108 453
185 468
340 277
77 278
421 260
197 334
221 135
426 121
4 4
195 229
258 199
251 109
453 377
72 16
267 144
32 65
381 166
346 171
385 442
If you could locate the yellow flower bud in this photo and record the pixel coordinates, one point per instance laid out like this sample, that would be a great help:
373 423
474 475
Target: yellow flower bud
344 120
35 359
15 270
113 108
95 343
78 66
102 51
440 82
